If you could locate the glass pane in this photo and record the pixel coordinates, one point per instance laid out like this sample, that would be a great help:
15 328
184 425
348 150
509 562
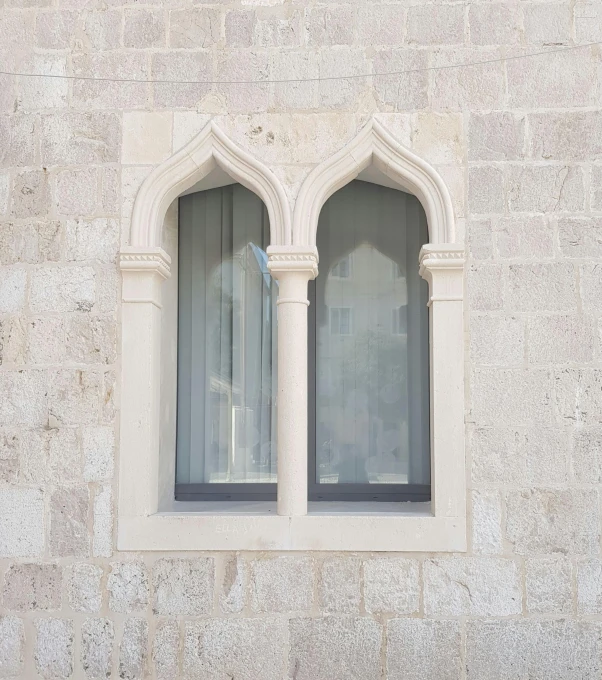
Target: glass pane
226 340
371 311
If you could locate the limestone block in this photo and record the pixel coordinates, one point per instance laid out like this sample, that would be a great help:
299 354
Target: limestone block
31 242
194 28
403 92
530 237
234 585
102 29
497 340
438 137
497 456
91 339
240 27
44 93
74 396
339 585
486 190
495 136
12 341
96 239
102 541
545 451
54 648
4 189
278 27
579 395
24 398
554 80
546 189
62 289
435 25
514 396
13 281
418 649
334 647
548 585
587 21
587 455
589 586
245 649
183 586
77 192
590 279
45 342
30 195
542 287
547 23
12 642
580 237
551 521
565 135
289 64
98 449
382 25
69 522
341 94
80 138
97 648
16 33
132 650
144 28
127 585
17 140
32 586
332 25
486 523
166 649
462 587
240 65
88 94
494 24
146 137
560 339
483 287
391 585
169 66
554 650
84 587
110 203
282 584
55 30
108 289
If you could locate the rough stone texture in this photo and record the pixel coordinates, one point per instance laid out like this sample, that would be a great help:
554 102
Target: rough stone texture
54 648
519 146
282 584
335 647
391 585
183 586
97 648
550 650
127 584
32 586
419 649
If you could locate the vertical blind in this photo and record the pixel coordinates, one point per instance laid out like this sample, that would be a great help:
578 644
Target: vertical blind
371 404
226 430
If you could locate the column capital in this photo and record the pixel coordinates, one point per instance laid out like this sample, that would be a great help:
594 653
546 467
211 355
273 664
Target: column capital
145 259
283 259
442 265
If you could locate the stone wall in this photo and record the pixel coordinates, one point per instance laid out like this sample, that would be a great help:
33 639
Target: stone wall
519 144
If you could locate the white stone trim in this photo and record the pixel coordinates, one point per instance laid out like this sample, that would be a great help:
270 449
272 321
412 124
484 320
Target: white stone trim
143 522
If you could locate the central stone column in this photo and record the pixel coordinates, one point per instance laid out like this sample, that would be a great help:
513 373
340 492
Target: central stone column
292 267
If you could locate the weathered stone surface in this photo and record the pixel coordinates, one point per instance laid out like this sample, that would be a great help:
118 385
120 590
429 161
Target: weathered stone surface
32 586
245 649
240 27
553 521
486 523
77 192
391 585
98 446
30 243
55 30
102 539
22 521
405 91
547 23
166 649
332 25
462 587
18 138
69 508
548 585
494 24
479 238
97 648
542 287
335 648
422 650
91 339
587 455
62 289
13 281
84 587
132 650
545 188
382 25
580 237
193 28
579 395
30 195
524 237
170 66
435 24
128 587
496 136
234 585
486 190
483 287
74 396
96 240
339 585
560 339
12 642
589 586
80 138
282 583
144 28
497 340
183 586
54 648
102 30
550 650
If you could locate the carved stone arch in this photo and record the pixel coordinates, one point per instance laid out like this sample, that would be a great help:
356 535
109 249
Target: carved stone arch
210 148
374 145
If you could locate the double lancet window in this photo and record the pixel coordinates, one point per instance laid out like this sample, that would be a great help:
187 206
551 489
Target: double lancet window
368 384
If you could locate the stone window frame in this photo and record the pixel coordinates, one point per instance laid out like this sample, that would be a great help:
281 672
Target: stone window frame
147 519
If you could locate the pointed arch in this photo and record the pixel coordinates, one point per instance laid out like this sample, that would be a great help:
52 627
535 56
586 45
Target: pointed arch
374 145
210 148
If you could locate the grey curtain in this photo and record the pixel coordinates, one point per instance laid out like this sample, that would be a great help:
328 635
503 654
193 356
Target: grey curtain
372 347
226 430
